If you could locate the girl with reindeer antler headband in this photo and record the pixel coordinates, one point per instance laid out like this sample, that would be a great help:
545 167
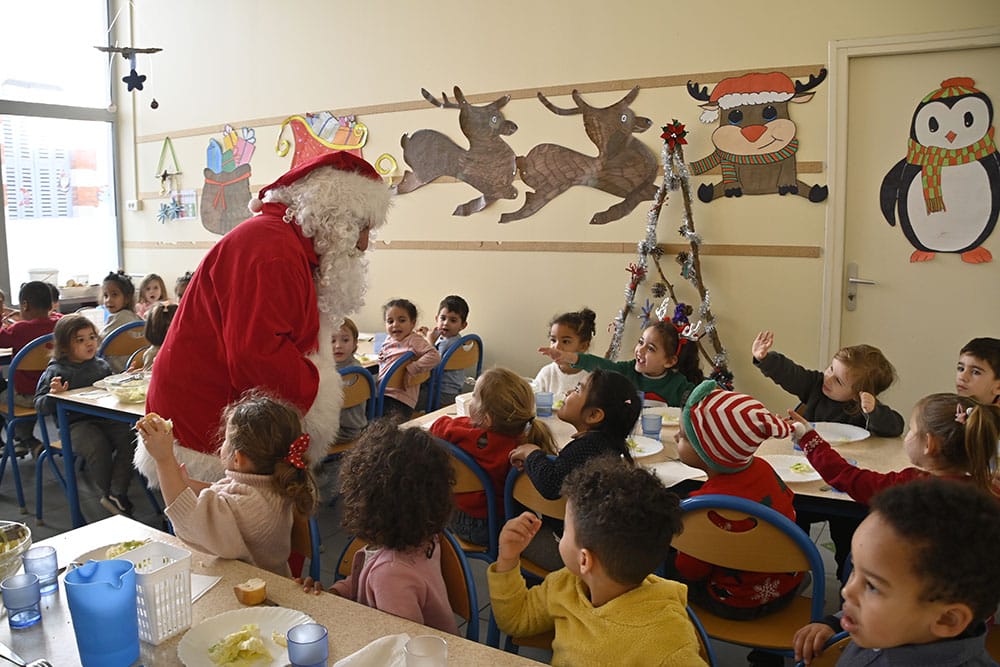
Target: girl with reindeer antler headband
665 364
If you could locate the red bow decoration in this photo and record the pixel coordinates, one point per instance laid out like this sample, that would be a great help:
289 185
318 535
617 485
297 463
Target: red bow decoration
674 134
296 450
638 273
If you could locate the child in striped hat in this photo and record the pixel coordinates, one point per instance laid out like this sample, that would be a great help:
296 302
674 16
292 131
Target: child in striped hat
720 431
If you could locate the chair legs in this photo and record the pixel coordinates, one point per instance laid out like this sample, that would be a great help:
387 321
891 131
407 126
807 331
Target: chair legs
10 455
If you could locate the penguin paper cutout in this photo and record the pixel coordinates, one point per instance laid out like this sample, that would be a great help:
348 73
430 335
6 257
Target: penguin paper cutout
946 191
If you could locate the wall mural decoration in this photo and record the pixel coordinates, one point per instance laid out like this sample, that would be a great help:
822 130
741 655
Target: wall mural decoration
226 193
623 167
487 165
319 133
755 142
946 191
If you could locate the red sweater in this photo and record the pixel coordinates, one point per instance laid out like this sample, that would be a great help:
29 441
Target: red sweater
737 588
490 450
16 336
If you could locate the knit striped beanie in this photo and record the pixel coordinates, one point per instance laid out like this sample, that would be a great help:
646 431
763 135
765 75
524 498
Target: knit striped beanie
725 428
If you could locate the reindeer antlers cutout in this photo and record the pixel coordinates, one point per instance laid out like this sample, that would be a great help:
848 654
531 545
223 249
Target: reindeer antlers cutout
698 93
814 80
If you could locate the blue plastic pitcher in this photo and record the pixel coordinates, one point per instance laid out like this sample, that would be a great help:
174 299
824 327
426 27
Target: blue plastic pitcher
102 604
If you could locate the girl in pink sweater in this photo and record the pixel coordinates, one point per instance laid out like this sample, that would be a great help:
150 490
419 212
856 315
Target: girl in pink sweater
396 490
400 322
247 515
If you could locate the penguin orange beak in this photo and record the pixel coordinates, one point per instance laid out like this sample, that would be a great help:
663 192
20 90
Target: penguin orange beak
950 136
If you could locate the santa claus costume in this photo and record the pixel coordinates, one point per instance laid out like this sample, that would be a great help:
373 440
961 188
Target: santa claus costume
262 307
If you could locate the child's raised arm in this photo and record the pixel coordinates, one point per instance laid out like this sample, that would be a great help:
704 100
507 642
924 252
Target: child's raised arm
514 538
559 356
762 344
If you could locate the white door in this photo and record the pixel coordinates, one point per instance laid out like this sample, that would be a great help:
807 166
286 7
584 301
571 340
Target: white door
919 313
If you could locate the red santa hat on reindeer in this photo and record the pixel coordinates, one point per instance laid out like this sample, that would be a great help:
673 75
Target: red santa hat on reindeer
753 88
262 308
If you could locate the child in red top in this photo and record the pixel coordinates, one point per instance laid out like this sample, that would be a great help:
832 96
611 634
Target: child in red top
501 417
720 430
35 301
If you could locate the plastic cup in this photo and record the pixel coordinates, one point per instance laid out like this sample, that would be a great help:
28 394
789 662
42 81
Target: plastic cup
651 425
426 651
42 562
22 597
307 645
543 403
104 607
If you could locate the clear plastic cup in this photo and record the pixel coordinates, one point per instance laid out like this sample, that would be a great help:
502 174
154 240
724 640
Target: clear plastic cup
22 597
543 403
42 562
651 425
307 645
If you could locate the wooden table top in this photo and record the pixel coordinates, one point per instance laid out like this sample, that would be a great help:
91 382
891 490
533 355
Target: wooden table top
99 398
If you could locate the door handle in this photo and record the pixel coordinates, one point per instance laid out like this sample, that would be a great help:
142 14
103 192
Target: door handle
852 286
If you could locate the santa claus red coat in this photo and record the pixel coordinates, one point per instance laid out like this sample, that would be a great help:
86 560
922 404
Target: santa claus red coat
262 307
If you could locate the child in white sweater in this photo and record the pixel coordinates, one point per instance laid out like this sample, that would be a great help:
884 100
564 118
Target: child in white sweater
247 515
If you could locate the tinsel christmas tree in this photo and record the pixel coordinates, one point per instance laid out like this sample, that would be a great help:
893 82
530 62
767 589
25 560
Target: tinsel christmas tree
675 176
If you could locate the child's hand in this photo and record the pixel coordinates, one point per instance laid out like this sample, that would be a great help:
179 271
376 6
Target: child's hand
518 455
158 436
514 537
762 345
309 585
867 402
809 640
57 386
799 425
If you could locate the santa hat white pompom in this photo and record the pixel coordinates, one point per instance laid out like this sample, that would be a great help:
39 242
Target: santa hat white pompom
255 205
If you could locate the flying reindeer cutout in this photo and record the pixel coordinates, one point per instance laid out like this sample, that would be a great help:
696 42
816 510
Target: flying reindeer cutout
623 167
755 142
488 165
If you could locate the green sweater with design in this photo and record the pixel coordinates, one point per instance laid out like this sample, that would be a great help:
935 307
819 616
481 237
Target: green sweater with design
672 388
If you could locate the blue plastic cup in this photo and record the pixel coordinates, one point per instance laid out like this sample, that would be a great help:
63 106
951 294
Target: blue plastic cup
543 403
307 645
42 561
22 597
651 425
104 608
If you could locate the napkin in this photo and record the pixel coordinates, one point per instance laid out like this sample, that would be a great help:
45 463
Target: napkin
383 652
675 472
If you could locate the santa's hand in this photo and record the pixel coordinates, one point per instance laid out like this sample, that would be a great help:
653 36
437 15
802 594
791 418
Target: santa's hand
867 402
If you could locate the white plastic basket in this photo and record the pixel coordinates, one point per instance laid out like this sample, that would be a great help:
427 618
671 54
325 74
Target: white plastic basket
163 585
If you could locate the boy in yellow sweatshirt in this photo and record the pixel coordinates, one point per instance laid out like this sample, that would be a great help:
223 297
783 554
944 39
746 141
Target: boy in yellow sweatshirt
605 606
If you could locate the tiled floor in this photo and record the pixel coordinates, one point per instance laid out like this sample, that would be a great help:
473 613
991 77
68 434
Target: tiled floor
57 520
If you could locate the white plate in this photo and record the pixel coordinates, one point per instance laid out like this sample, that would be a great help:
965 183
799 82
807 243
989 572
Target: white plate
835 433
671 416
193 647
783 465
640 446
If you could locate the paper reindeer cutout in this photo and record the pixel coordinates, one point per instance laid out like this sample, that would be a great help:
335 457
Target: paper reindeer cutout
946 191
623 167
487 165
755 142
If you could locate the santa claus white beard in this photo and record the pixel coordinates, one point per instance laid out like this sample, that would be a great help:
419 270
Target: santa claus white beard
341 283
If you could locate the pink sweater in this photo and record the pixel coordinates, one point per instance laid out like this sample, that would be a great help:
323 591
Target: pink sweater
427 357
404 583
239 517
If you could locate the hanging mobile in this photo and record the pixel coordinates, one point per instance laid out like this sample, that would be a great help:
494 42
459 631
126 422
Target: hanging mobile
134 80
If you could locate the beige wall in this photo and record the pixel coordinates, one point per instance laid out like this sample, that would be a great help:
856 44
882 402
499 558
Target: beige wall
218 66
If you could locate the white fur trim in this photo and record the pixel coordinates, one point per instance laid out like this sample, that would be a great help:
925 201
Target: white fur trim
739 99
200 466
709 116
322 421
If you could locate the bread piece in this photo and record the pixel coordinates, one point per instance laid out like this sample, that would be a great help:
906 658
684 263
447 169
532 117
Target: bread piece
251 592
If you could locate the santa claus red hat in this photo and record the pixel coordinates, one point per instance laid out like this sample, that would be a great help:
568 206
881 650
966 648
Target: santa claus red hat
340 160
725 428
756 88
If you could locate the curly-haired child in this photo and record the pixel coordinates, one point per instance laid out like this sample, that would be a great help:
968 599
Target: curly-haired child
396 493
248 514
569 332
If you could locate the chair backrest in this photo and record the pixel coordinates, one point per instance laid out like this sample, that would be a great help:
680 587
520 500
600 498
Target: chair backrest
34 356
455 570
124 340
832 650
704 645
359 386
305 541
744 535
519 489
137 353
466 352
393 379
470 478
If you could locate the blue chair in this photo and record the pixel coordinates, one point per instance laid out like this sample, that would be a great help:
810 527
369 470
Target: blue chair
457 579
770 543
832 649
471 478
520 492
466 352
306 541
393 378
124 341
359 386
704 644
34 356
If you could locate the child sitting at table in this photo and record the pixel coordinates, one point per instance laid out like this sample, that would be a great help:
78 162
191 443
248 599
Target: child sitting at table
354 419
950 436
106 445
396 493
246 515
719 432
180 285
664 365
978 375
400 322
54 312
452 318
158 320
604 606
846 392
603 410
501 417
569 332
926 580
152 290
35 301
118 295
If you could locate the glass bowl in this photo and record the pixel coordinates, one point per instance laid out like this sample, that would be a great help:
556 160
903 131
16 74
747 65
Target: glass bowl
129 392
15 539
